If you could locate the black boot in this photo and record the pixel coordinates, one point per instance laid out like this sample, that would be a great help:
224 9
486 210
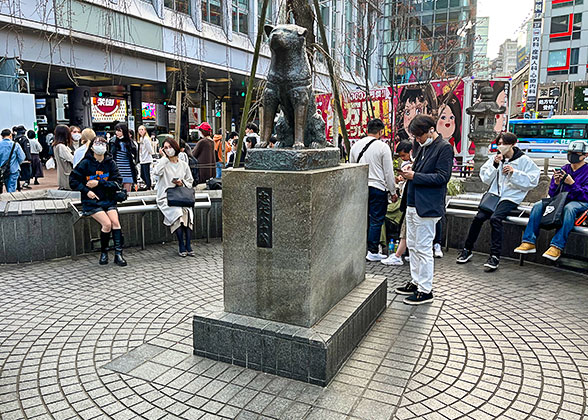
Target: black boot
104 242
118 241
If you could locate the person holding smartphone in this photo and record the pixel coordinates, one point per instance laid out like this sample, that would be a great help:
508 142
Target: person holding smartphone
173 172
572 178
510 174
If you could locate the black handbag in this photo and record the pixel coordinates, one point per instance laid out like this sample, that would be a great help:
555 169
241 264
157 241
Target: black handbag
120 196
489 200
553 209
180 197
5 168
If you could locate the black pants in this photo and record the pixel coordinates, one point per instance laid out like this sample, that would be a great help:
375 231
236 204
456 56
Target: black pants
439 231
146 174
496 219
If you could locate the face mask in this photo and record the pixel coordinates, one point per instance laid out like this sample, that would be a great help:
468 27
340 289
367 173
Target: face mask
428 142
76 136
574 158
99 149
170 152
503 149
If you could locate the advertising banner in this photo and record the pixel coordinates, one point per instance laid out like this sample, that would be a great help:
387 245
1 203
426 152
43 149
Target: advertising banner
356 113
149 111
441 99
534 54
108 110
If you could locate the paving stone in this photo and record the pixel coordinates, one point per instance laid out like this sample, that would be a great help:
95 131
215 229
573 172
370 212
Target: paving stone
479 352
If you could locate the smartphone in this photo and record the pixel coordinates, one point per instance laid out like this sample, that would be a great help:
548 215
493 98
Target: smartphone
175 180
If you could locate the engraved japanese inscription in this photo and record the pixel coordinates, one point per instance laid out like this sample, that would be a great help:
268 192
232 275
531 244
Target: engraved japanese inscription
264 217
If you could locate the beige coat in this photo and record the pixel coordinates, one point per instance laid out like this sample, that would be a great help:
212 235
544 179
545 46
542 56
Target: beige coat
64 163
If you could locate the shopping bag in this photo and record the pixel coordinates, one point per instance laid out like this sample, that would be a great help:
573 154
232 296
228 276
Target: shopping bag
553 211
50 164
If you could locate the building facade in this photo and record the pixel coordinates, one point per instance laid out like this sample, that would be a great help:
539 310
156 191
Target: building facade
563 72
136 54
481 66
427 39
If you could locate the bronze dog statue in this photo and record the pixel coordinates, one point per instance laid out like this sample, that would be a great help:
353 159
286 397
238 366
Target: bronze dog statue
289 85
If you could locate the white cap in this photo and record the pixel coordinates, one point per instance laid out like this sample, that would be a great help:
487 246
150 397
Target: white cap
578 146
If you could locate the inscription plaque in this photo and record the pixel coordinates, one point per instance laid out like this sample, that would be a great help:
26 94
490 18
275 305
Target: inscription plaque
264 217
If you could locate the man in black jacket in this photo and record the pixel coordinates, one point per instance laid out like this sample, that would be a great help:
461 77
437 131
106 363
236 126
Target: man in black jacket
425 200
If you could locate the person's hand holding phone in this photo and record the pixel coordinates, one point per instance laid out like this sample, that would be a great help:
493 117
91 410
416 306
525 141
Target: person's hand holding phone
177 182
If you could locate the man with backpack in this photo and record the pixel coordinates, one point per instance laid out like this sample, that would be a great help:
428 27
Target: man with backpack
378 156
11 156
510 175
25 166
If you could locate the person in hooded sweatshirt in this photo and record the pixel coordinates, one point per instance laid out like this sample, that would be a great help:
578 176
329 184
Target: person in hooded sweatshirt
98 179
511 175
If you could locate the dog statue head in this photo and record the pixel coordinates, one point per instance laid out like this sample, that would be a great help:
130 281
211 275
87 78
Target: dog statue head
286 37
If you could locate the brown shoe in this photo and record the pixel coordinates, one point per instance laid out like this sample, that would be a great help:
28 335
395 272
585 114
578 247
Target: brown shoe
526 248
552 253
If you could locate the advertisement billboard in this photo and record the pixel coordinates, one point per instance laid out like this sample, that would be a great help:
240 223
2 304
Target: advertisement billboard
108 110
148 111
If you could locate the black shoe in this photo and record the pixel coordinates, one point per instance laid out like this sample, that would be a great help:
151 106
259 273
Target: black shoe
464 256
118 241
419 298
407 289
104 241
36 182
492 263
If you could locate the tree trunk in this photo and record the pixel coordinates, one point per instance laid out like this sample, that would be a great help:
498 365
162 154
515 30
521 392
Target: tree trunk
303 16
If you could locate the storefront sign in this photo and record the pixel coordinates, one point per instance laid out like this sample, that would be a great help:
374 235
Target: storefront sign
534 54
547 104
107 110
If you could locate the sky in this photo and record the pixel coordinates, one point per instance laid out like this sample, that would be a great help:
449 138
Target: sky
506 17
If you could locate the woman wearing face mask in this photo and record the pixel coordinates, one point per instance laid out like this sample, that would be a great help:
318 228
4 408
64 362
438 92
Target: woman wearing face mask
125 154
572 178
510 175
174 172
62 145
76 136
98 179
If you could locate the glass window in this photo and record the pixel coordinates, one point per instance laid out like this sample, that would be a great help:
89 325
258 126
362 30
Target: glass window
269 12
560 24
553 131
441 17
211 11
428 4
454 3
240 16
182 6
566 3
454 16
557 58
442 4
526 130
577 131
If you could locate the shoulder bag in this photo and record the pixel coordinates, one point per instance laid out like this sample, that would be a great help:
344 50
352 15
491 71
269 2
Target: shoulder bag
489 200
180 197
553 209
367 146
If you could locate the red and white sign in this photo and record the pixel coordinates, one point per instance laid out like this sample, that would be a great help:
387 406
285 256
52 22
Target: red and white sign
106 110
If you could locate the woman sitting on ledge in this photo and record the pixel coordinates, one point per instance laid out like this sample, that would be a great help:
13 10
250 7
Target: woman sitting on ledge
173 172
98 180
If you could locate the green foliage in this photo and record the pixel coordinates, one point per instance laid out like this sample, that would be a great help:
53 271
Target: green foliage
455 187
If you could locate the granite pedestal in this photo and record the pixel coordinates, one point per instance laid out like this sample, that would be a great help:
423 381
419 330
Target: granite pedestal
296 302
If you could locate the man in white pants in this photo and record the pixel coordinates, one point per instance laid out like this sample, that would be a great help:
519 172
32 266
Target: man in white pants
425 204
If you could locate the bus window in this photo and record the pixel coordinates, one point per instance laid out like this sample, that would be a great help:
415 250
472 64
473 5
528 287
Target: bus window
552 131
526 130
576 132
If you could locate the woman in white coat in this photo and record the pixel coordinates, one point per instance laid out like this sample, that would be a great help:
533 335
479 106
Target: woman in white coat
511 175
173 172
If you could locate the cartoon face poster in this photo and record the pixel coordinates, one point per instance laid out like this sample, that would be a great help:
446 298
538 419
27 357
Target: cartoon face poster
442 100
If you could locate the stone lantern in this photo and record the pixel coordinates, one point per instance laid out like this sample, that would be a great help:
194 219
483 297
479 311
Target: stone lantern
484 117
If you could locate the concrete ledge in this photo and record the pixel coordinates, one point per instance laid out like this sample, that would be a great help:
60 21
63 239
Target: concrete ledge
312 355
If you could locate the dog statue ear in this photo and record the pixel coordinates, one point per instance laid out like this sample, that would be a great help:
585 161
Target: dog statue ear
268 29
302 31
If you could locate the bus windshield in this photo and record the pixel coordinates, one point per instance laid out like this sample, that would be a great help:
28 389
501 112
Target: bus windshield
555 131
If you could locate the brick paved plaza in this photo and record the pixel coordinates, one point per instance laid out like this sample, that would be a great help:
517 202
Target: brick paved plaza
78 341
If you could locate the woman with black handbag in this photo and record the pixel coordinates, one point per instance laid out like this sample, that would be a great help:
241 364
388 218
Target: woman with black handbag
99 181
510 175
175 177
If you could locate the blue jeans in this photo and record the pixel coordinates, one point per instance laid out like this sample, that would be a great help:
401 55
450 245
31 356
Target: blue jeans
219 167
12 181
572 211
377 206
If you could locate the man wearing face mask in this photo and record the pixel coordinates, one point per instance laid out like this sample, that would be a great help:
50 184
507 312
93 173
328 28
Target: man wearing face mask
572 178
425 194
510 175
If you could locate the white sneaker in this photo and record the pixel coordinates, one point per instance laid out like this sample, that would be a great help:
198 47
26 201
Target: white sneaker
374 257
437 252
392 260
407 258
